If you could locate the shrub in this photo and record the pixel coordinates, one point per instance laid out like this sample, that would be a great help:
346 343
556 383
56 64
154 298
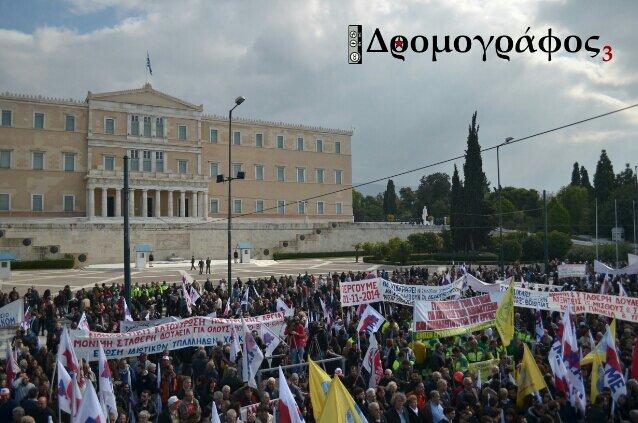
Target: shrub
512 250
320 254
533 248
399 251
426 242
65 263
559 244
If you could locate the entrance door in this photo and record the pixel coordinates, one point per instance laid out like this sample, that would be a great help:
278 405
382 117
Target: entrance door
186 209
149 207
110 206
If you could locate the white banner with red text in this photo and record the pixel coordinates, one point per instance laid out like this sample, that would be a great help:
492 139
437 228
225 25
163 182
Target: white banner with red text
189 332
572 271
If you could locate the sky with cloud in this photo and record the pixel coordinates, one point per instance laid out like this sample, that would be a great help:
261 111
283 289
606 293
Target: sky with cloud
289 60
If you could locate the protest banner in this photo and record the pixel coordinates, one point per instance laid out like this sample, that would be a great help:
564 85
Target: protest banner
600 267
485 367
529 298
248 410
534 286
571 271
189 332
129 326
622 308
12 314
408 294
479 286
365 291
632 258
437 319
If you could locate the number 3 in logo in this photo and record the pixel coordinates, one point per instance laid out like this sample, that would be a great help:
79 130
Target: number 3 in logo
608 54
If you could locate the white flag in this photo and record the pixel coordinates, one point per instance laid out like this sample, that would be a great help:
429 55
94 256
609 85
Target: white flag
371 320
90 410
621 290
187 297
83 324
127 312
105 383
234 343
214 417
270 338
65 388
194 295
372 363
251 357
287 406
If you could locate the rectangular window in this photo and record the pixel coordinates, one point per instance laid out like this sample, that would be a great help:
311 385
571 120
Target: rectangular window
181 132
237 167
5 202
319 176
281 207
259 172
259 206
319 207
214 205
159 161
146 162
135 160
37 203
6 118
214 169
109 162
69 123
259 140
319 145
182 166
338 177
236 206
38 120
213 136
69 162
159 127
37 160
109 126
301 174
147 126
135 125
5 159
69 203
337 147
338 208
236 138
300 144
280 141
301 207
281 173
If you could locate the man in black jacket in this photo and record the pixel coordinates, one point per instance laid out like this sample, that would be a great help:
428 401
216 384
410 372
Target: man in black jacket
397 413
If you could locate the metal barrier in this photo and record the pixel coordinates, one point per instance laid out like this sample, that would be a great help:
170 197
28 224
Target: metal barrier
290 366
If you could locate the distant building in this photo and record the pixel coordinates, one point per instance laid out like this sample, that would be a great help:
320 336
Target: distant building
63 158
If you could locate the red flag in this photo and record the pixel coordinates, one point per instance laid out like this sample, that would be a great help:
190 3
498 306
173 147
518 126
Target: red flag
634 361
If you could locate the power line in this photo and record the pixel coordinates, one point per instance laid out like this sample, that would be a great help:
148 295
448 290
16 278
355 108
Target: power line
438 163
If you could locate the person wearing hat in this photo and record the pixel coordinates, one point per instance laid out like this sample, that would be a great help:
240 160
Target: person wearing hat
6 405
169 413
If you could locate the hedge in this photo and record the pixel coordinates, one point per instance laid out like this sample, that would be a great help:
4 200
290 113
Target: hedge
320 254
66 263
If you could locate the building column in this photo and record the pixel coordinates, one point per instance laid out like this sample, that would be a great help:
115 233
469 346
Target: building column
194 209
104 201
182 203
144 203
170 203
90 205
158 205
205 206
118 202
131 202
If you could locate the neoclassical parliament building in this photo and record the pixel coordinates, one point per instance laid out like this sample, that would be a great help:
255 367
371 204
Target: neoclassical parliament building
62 158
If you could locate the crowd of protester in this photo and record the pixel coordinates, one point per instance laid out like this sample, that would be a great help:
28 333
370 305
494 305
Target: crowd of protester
424 381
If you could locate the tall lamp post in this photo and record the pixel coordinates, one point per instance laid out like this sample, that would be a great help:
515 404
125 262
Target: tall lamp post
500 214
220 178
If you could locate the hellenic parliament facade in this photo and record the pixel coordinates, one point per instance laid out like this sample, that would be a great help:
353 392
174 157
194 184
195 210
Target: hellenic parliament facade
64 159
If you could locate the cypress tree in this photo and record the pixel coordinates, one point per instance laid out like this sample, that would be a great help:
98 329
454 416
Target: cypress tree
475 190
576 175
456 212
584 179
604 177
390 200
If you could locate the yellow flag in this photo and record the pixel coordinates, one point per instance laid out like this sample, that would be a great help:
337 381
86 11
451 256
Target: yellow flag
505 316
595 373
319 386
529 378
339 406
599 350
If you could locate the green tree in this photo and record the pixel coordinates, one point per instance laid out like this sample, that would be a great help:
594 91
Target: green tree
434 192
557 216
584 179
533 248
604 178
399 250
390 200
407 199
575 199
368 208
426 242
559 244
475 189
357 206
626 177
457 207
512 250
575 175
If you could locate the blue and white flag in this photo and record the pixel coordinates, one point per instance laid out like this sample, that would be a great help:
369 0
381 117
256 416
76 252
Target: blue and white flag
251 356
148 63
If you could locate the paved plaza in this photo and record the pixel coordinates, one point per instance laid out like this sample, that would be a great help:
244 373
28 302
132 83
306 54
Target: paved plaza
172 272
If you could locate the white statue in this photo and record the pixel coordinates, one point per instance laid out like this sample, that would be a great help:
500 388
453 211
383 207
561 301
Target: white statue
424 216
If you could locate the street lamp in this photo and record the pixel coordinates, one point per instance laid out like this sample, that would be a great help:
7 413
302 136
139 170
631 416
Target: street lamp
220 178
500 214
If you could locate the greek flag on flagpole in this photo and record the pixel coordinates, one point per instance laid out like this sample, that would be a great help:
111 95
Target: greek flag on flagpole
148 63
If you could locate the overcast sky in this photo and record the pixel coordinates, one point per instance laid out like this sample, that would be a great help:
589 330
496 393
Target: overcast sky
289 60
